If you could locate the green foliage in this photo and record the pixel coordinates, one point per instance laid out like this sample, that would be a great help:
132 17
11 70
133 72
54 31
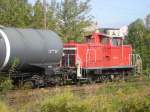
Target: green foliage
135 35
136 104
15 62
139 37
68 18
65 102
110 97
113 97
109 89
5 81
15 13
73 18
5 84
113 88
38 15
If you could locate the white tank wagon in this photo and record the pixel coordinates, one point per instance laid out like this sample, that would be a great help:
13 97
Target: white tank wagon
33 48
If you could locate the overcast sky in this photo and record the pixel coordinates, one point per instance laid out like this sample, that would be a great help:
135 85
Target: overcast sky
117 13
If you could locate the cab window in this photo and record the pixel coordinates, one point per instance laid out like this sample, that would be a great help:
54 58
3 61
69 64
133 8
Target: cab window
116 42
104 40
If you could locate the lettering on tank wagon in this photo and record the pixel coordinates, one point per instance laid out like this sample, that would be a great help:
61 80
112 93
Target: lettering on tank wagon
52 51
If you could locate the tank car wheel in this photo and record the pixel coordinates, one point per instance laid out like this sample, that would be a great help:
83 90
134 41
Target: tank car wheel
28 85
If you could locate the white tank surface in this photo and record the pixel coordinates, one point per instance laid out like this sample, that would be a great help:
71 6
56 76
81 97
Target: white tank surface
30 47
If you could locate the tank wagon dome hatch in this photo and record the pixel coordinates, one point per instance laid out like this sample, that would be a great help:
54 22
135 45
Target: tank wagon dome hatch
31 47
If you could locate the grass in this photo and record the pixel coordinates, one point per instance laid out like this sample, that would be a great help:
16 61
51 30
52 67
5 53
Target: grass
111 97
3 107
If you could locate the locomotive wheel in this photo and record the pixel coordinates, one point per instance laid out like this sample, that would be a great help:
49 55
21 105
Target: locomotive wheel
107 79
104 78
112 77
91 80
101 78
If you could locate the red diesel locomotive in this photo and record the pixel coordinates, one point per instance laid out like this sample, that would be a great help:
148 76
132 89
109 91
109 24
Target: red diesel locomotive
100 57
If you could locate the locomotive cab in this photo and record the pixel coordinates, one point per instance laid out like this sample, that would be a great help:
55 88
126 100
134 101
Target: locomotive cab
104 39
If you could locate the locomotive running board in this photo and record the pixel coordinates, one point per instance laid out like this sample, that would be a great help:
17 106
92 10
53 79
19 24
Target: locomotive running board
113 67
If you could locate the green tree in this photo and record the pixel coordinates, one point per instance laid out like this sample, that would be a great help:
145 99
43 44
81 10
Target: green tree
146 51
38 19
38 15
68 18
52 19
73 17
136 34
139 37
15 13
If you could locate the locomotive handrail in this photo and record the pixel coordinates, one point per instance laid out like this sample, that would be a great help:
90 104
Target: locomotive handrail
133 58
136 62
78 59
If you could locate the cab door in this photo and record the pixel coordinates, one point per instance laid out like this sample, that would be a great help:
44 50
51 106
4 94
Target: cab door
91 57
106 48
117 51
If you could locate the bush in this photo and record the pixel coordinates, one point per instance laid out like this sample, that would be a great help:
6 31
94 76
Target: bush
65 102
5 85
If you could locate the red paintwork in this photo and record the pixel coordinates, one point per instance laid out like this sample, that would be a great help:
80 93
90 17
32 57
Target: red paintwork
95 55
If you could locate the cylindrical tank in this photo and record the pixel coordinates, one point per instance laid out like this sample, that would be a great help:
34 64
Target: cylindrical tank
29 46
